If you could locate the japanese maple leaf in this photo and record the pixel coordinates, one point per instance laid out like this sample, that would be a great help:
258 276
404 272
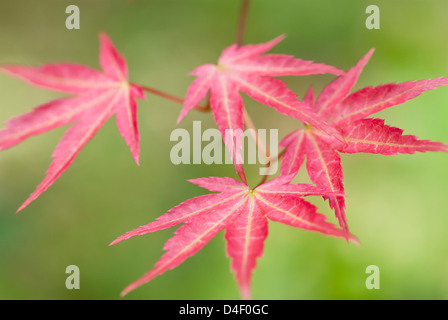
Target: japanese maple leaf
98 96
347 113
246 69
243 213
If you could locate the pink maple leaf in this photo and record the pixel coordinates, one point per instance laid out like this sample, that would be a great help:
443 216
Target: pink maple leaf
99 95
244 214
246 69
347 113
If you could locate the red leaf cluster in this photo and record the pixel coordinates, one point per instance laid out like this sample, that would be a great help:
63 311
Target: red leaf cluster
335 122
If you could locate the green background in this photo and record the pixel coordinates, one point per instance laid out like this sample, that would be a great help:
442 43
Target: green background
396 205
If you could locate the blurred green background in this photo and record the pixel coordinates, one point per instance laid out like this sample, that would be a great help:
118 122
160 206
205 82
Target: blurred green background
396 205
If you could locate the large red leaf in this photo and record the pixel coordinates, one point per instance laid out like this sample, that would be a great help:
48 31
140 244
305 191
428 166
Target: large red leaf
243 213
246 69
346 112
99 96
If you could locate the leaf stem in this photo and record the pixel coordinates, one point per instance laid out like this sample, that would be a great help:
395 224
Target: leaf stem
173 98
260 144
244 11
277 158
254 133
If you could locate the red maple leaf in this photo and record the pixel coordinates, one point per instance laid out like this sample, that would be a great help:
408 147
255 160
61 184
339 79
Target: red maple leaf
244 214
347 113
246 69
98 97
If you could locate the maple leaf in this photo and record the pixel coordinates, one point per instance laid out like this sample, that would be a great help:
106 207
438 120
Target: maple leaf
99 95
244 214
246 69
347 113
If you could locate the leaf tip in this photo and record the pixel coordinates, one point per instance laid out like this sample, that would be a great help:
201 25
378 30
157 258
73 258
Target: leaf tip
246 294
245 291
103 36
23 206
183 113
281 37
114 242
179 119
132 287
119 239
137 159
8 69
123 293
277 40
361 64
351 238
